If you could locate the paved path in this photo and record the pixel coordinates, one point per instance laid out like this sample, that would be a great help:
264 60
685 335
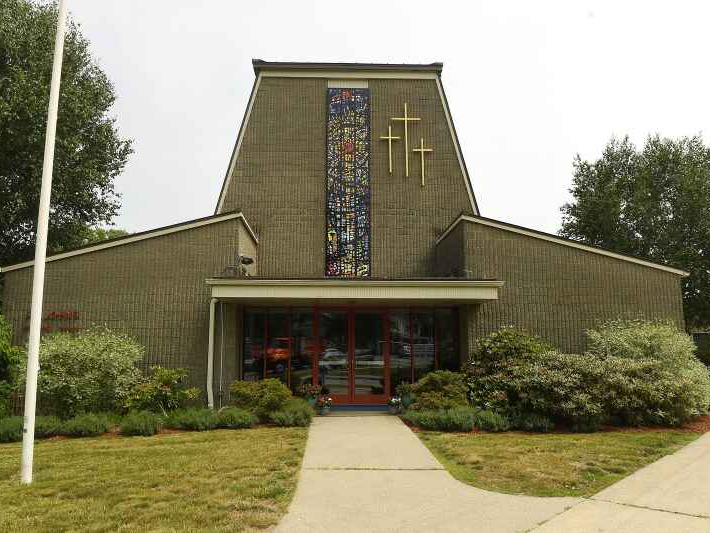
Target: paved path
672 494
372 474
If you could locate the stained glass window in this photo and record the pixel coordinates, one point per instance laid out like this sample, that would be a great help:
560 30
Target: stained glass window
348 183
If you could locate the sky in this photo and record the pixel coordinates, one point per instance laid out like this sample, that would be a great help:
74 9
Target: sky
530 84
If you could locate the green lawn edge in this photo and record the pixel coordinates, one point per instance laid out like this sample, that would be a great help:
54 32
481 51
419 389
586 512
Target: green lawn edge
219 480
551 464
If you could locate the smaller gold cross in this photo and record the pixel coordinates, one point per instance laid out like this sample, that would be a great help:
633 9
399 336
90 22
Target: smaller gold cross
421 151
389 138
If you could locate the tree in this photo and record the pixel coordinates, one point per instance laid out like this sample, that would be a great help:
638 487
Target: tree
89 151
92 235
652 203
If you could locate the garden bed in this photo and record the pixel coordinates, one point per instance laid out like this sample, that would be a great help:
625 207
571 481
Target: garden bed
207 481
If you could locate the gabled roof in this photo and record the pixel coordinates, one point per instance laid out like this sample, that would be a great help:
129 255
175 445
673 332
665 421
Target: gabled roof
135 237
557 240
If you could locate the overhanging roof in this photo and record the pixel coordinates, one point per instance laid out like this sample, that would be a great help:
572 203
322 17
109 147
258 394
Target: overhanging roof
347 290
135 237
506 226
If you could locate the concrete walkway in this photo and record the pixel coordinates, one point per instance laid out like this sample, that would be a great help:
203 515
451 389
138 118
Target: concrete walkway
372 474
672 494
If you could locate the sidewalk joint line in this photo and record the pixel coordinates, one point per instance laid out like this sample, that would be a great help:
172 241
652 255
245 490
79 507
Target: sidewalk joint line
593 499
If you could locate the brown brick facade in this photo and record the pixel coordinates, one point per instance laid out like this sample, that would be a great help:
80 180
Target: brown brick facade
278 180
153 290
553 290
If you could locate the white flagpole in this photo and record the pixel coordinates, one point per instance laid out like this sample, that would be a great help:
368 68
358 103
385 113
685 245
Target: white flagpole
28 435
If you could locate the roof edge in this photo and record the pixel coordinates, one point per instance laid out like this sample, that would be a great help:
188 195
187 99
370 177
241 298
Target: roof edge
260 64
506 226
140 236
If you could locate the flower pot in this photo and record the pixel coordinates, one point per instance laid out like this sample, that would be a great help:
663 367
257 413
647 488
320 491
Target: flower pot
394 409
406 401
323 410
311 401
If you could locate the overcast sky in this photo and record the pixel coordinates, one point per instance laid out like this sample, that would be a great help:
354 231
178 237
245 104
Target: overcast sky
530 84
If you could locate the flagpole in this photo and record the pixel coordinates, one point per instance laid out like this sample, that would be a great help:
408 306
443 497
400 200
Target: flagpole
28 435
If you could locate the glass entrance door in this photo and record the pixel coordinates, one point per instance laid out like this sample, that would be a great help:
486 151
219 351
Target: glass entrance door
334 362
352 365
368 358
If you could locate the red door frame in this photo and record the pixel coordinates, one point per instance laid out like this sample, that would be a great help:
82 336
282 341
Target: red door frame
351 398
384 313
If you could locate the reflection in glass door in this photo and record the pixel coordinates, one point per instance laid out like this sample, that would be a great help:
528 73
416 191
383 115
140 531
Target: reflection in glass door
333 366
368 375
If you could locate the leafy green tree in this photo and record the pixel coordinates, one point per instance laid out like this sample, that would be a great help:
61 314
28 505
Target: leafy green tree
653 203
91 235
89 151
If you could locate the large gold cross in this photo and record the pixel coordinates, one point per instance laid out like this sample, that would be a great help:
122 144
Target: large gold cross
422 150
406 119
389 138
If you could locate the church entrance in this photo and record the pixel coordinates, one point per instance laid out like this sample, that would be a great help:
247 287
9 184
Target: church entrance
354 362
359 355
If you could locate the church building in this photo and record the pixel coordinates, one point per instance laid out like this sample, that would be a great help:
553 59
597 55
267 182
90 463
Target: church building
346 249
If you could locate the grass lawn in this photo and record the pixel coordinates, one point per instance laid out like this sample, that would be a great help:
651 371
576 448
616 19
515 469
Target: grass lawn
555 464
211 481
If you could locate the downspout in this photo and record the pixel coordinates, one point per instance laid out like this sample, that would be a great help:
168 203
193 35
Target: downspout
210 356
221 351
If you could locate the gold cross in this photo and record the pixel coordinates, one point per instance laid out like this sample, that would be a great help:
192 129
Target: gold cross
389 138
421 150
406 119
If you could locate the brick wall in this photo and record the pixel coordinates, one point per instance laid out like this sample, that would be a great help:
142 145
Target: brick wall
553 290
153 290
279 178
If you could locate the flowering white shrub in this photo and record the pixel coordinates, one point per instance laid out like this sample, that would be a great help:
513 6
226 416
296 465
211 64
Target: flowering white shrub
634 373
90 370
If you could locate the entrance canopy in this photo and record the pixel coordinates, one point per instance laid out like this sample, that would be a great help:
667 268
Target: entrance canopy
437 291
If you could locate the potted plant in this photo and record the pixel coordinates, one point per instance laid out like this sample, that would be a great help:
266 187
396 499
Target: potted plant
404 391
323 404
309 393
394 404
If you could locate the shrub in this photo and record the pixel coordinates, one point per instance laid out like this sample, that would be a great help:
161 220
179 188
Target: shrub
11 429
10 357
532 422
439 390
507 343
91 370
457 419
492 421
296 412
196 419
85 425
47 426
235 418
641 340
145 423
261 397
163 391
635 373
656 378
